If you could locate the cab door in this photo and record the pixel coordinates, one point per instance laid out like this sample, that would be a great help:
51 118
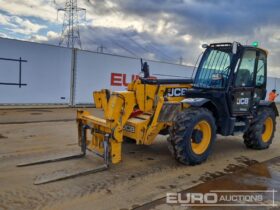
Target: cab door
261 77
244 82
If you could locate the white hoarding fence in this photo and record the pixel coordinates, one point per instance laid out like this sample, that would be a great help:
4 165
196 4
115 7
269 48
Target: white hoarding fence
32 73
96 71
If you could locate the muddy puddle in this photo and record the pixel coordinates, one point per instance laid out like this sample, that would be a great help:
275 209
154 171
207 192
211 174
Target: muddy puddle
255 186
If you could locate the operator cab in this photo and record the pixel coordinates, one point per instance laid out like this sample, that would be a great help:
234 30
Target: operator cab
231 65
231 79
239 70
227 98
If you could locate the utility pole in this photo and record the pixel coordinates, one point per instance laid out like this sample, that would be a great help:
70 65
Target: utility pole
70 34
101 48
181 60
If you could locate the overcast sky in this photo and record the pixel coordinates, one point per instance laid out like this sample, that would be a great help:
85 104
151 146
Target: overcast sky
156 29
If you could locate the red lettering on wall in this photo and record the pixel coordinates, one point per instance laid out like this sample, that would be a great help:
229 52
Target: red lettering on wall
124 80
116 79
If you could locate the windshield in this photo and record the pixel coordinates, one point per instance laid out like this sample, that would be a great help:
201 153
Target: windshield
214 69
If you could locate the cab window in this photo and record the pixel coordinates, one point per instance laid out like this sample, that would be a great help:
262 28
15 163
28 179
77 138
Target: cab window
260 75
245 73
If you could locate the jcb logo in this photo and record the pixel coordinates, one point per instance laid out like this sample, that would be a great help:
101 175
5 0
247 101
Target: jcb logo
242 101
176 92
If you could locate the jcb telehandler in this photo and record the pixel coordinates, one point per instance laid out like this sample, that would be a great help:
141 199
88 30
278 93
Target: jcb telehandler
225 97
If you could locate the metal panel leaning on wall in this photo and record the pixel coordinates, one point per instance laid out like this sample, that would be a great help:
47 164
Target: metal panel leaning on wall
45 73
95 71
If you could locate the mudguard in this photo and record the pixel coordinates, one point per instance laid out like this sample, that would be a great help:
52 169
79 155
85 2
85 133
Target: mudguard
197 102
271 104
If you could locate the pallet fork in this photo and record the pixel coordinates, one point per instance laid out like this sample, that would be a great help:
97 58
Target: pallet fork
56 177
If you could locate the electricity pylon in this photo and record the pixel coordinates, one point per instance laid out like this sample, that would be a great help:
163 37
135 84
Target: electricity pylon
70 34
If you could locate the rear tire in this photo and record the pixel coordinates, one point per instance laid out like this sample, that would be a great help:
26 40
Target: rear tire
261 131
192 135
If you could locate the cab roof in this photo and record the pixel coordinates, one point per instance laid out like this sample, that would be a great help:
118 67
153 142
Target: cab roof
229 44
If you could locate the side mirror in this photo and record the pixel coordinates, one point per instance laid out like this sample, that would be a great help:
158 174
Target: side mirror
204 46
234 47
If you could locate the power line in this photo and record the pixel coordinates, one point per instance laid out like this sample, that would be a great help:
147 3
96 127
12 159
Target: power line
160 52
127 36
124 48
120 45
117 12
136 43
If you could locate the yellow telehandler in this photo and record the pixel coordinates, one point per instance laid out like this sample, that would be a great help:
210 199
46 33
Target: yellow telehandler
226 96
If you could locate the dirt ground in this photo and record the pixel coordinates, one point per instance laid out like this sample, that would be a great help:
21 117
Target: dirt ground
145 174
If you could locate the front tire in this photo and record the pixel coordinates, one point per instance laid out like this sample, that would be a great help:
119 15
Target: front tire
192 136
261 131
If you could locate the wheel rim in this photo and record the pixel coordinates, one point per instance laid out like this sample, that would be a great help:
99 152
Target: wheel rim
201 147
268 129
